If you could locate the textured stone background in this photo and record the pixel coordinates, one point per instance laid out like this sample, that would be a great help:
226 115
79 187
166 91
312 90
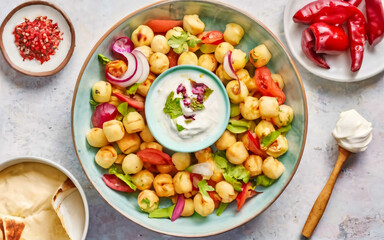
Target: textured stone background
35 120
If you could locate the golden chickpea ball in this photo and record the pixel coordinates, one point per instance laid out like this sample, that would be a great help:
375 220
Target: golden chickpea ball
113 130
284 117
272 168
233 33
193 24
233 91
260 55
163 184
253 164
249 109
277 78
269 107
187 58
208 61
148 201
96 137
153 145
129 143
106 156
146 135
278 147
238 59
144 86
181 160
142 35
160 44
168 168
120 158
204 155
221 50
176 31
203 205
158 62
222 75
226 140
101 91
132 164
143 179
263 128
244 76
182 182
237 153
226 191
189 208
146 50
133 122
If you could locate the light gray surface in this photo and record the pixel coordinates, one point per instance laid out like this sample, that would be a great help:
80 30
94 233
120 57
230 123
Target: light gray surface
35 120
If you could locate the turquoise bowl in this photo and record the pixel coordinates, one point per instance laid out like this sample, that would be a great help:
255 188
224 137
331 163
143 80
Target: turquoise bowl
161 134
215 15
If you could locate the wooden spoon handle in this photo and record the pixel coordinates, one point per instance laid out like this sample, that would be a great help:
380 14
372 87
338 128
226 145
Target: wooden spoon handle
322 200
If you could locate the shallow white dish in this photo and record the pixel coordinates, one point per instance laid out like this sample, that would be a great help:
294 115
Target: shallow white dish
77 228
373 62
31 10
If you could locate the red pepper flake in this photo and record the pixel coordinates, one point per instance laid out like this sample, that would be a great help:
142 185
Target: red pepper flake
38 39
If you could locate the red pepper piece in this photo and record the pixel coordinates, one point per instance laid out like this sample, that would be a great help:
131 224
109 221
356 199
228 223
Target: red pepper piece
336 12
266 85
154 156
329 39
173 58
308 47
136 101
375 21
254 145
246 192
116 183
162 26
355 3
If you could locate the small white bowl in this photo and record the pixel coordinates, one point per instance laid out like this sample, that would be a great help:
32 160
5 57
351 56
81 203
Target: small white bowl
31 10
78 227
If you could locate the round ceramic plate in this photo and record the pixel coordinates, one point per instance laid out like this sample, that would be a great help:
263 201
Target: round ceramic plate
31 10
373 62
215 15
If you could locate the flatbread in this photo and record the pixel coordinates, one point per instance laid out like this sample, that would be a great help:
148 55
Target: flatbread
2 237
13 228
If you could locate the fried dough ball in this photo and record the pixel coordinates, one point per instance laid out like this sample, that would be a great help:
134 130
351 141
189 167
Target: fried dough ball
113 130
169 168
143 179
272 168
143 35
254 164
148 201
249 109
144 86
193 24
264 128
203 205
101 91
160 44
187 58
208 61
132 164
153 145
158 62
238 59
163 185
233 91
181 160
269 107
222 75
96 138
226 191
176 31
204 155
146 135
233 33
284 117
106 156
277 78
226 140
278 147
182 182
260 55
129 143
222 50
133 122
237 153
189 208
146 50
243 75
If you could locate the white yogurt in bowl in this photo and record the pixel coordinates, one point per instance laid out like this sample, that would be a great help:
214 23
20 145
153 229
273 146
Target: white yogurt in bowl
185 121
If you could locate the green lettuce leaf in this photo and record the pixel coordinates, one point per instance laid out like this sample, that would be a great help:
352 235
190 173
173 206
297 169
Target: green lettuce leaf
195 105
132 89
181 43
264 181
234 174
123 108
221 208
117 170
172 106
93 103
204 188
162 212
270 138
103 59
220 159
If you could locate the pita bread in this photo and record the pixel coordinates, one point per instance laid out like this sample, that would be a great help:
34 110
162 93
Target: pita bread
1 229
13 227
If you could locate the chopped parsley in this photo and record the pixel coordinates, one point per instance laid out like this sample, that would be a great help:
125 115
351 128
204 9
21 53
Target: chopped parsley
204 188
146 201
179 127
183 42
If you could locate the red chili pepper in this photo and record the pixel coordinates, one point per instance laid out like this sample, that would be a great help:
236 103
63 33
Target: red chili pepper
375 21
355 3
266 85
136 101
336 12
162 26
246 192
308 46
329 39
254 145
154 156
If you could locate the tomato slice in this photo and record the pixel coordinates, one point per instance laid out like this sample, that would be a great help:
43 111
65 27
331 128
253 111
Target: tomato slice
254 145
112 181
246 192
266 85
212 37
162 26
172 57
136 101
154 156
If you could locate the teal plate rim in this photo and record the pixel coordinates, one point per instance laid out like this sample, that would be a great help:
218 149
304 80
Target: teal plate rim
292 63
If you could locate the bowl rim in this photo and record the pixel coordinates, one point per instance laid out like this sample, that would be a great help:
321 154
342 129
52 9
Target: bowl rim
67 57
24 159
118 23
218 132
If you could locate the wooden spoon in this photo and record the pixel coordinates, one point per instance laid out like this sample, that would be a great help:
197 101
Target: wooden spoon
322 200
